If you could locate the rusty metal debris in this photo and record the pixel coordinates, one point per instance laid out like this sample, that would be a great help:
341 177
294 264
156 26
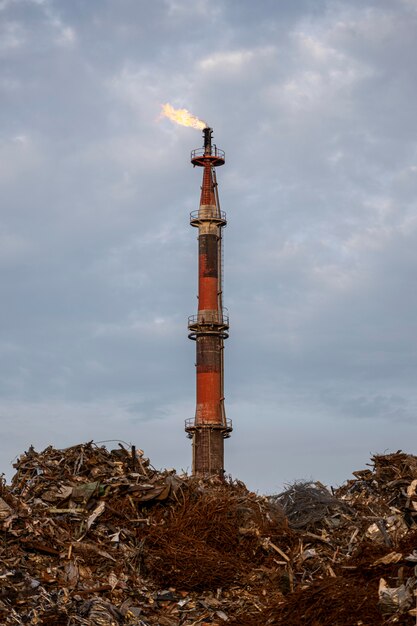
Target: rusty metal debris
99 537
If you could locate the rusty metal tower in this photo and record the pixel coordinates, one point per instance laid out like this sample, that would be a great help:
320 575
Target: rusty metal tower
209 328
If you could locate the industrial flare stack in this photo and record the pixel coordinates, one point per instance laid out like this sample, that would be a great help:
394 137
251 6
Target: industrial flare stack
209 328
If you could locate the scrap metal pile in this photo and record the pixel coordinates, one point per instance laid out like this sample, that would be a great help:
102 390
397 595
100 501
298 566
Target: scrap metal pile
98 537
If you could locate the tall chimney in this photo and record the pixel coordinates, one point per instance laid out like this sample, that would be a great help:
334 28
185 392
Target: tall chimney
209 328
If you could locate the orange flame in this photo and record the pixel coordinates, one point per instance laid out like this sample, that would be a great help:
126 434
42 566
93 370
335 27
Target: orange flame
182 116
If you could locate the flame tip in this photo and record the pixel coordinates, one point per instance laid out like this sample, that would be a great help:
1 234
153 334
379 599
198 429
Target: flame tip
182 117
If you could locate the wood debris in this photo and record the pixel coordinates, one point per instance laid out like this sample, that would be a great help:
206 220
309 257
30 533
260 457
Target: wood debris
92 536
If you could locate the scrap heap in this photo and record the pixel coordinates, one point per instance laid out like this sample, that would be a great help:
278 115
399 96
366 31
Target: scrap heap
100 538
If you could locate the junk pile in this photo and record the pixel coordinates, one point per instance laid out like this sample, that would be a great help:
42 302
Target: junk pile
98 537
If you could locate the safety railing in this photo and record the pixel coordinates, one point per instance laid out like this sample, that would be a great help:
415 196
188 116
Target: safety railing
209 318
202 152
207 215
191 424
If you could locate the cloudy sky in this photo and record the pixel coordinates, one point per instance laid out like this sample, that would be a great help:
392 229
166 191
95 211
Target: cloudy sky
314 103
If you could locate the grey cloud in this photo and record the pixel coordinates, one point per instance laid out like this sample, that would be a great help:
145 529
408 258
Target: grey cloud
393 408
313 103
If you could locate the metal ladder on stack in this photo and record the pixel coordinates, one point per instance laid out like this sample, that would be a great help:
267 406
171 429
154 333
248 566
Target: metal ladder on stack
221 282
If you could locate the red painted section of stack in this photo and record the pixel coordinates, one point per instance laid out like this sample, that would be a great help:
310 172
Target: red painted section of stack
209 328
